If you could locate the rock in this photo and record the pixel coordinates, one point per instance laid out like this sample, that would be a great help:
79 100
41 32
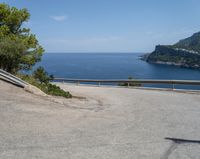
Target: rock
34 90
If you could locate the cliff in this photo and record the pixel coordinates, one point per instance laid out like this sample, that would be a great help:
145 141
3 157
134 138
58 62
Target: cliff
185 53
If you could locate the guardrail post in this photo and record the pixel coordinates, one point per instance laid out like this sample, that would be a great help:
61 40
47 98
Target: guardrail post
172 85
77 83
99 84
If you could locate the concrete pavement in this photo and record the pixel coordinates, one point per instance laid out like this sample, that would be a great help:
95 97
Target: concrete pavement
103 123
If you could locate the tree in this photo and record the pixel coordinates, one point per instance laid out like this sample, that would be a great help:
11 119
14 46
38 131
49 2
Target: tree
19 48
42 76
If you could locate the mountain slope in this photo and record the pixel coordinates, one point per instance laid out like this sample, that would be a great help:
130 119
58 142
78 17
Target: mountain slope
191 43
185 53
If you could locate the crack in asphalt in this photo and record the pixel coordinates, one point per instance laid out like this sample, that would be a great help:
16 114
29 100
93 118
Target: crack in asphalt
169 151
175 143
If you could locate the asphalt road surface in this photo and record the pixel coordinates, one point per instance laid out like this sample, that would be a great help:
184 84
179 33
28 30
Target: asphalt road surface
100 123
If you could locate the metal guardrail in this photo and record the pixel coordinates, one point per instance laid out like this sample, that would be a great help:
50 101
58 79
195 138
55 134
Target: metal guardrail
140 81
17 81
12 79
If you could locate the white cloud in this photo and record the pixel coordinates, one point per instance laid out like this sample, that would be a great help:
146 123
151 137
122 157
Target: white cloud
59 18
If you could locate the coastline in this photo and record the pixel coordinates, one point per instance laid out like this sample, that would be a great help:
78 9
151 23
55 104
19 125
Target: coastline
175 64
144 57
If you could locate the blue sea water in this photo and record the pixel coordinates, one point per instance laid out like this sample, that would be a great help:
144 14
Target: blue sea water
111 66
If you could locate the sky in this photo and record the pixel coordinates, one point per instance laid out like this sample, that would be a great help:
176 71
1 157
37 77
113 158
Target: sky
110 25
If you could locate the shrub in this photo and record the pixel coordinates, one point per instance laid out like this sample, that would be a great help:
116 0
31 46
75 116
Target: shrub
42 76
46 87
57 91
131 83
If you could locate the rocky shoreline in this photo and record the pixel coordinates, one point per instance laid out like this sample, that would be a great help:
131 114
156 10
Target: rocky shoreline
175 64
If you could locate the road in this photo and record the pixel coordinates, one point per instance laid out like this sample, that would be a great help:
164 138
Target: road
99 123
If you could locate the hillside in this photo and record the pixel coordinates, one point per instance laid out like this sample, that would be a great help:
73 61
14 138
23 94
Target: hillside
185 53
191 43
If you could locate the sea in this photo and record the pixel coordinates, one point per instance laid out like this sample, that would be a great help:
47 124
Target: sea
113 66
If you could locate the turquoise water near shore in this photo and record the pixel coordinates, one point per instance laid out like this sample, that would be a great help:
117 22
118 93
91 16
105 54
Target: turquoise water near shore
112 66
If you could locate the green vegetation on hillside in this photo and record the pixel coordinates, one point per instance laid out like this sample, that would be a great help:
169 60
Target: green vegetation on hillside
191 43
41 79
185 53
20 50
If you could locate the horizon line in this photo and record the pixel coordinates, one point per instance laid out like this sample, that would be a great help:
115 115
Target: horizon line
95 52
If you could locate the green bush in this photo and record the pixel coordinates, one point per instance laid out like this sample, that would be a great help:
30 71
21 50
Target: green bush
131 83
57 91
46 87
42 76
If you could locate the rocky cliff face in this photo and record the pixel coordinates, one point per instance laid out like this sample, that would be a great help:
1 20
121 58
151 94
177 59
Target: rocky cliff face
185 53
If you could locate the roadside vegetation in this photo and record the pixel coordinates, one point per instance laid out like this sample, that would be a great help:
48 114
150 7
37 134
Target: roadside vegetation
20 50
132 83
41 79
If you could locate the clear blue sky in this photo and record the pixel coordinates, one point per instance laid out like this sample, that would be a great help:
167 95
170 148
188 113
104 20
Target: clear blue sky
110 25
